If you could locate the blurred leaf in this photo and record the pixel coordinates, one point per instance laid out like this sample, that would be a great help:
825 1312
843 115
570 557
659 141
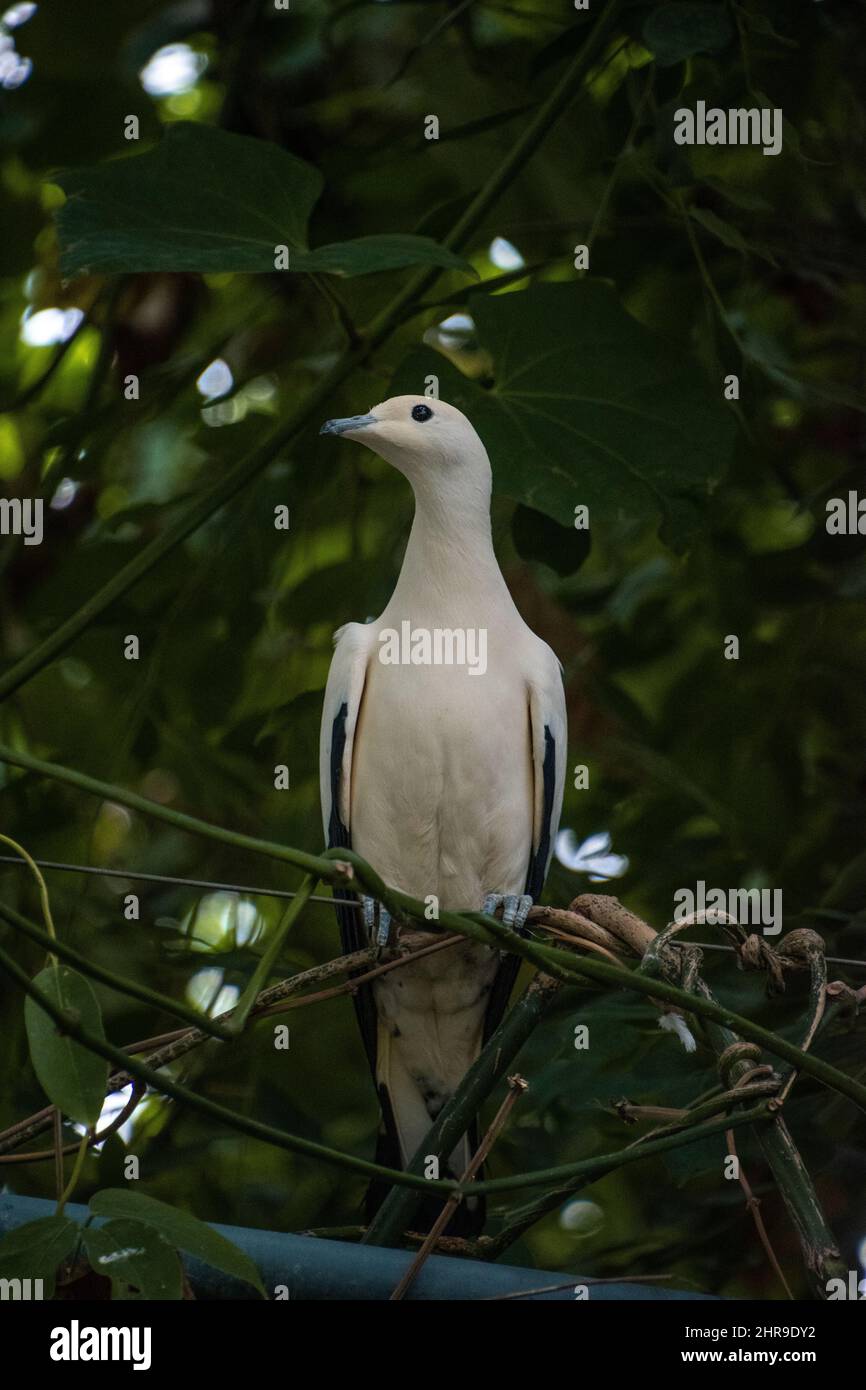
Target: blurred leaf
206 200
737 196
201 200
587 407
727 234
848 889
761 24
181 1229
675 32
37 1249
368 254
72 1077
138 1260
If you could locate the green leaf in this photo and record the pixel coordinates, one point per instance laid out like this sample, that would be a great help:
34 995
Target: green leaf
182 1229
737 196
73 1078
675 32
204 200
37 1249
200 200
760 24
137 1259
848 889
587 407
719 228
729 235
368 254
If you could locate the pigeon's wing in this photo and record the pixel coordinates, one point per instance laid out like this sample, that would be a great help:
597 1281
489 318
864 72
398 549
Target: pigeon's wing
343 695
548 726
547 719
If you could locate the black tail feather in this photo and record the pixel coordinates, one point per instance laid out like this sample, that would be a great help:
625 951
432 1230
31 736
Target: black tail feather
467 1221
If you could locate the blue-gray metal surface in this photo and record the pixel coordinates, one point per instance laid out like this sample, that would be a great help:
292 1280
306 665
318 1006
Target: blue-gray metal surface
331 1270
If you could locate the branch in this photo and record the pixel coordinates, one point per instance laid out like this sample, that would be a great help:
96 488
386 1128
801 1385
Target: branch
490 1248
293 1143
135 1099
517 1088
589 1170
241 1011
107 977
69 1025
341 866
274 999
737 1062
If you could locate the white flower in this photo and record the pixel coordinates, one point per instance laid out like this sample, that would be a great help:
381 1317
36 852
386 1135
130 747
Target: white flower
593 856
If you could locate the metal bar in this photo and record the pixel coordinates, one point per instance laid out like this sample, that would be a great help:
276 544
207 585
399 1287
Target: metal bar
312 1269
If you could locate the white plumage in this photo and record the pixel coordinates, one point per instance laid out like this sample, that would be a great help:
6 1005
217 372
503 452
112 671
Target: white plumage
449 783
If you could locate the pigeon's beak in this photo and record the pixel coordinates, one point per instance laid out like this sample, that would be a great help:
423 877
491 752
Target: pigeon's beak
348 425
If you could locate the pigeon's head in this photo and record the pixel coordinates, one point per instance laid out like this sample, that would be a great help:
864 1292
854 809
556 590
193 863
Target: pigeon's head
425 439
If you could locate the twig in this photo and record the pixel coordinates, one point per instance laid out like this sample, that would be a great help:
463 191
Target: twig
236 1120
68 1190
754 1205
101 872
341 866
240 1013
678 1120
396 1213
50 931
294 1143
615 172
551 915
570 1283
58 1154
338 308
442 23
517 1088
138 1093
814 951
59 949
736 1063
690 1120
271 1000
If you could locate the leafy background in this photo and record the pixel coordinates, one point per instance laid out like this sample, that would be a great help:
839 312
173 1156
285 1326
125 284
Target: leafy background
707 520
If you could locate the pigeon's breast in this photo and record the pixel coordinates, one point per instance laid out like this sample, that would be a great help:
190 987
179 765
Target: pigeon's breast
442 788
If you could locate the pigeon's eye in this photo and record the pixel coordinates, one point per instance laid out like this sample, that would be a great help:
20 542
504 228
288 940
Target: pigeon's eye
421 412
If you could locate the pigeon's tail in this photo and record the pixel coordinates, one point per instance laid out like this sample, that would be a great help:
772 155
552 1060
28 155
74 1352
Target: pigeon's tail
469 1216
407 1113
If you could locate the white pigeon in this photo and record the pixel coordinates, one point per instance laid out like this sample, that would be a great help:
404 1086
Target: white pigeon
446 777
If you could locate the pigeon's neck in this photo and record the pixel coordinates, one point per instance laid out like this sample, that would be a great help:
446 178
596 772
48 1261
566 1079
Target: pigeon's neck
450 555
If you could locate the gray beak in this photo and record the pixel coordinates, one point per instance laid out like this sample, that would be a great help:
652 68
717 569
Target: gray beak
349 422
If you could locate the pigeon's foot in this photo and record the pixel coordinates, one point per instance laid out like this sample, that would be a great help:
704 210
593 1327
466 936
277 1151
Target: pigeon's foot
377 921
515 908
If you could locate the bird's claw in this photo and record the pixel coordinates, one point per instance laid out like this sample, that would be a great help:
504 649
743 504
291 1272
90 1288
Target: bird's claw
515 908
377 921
